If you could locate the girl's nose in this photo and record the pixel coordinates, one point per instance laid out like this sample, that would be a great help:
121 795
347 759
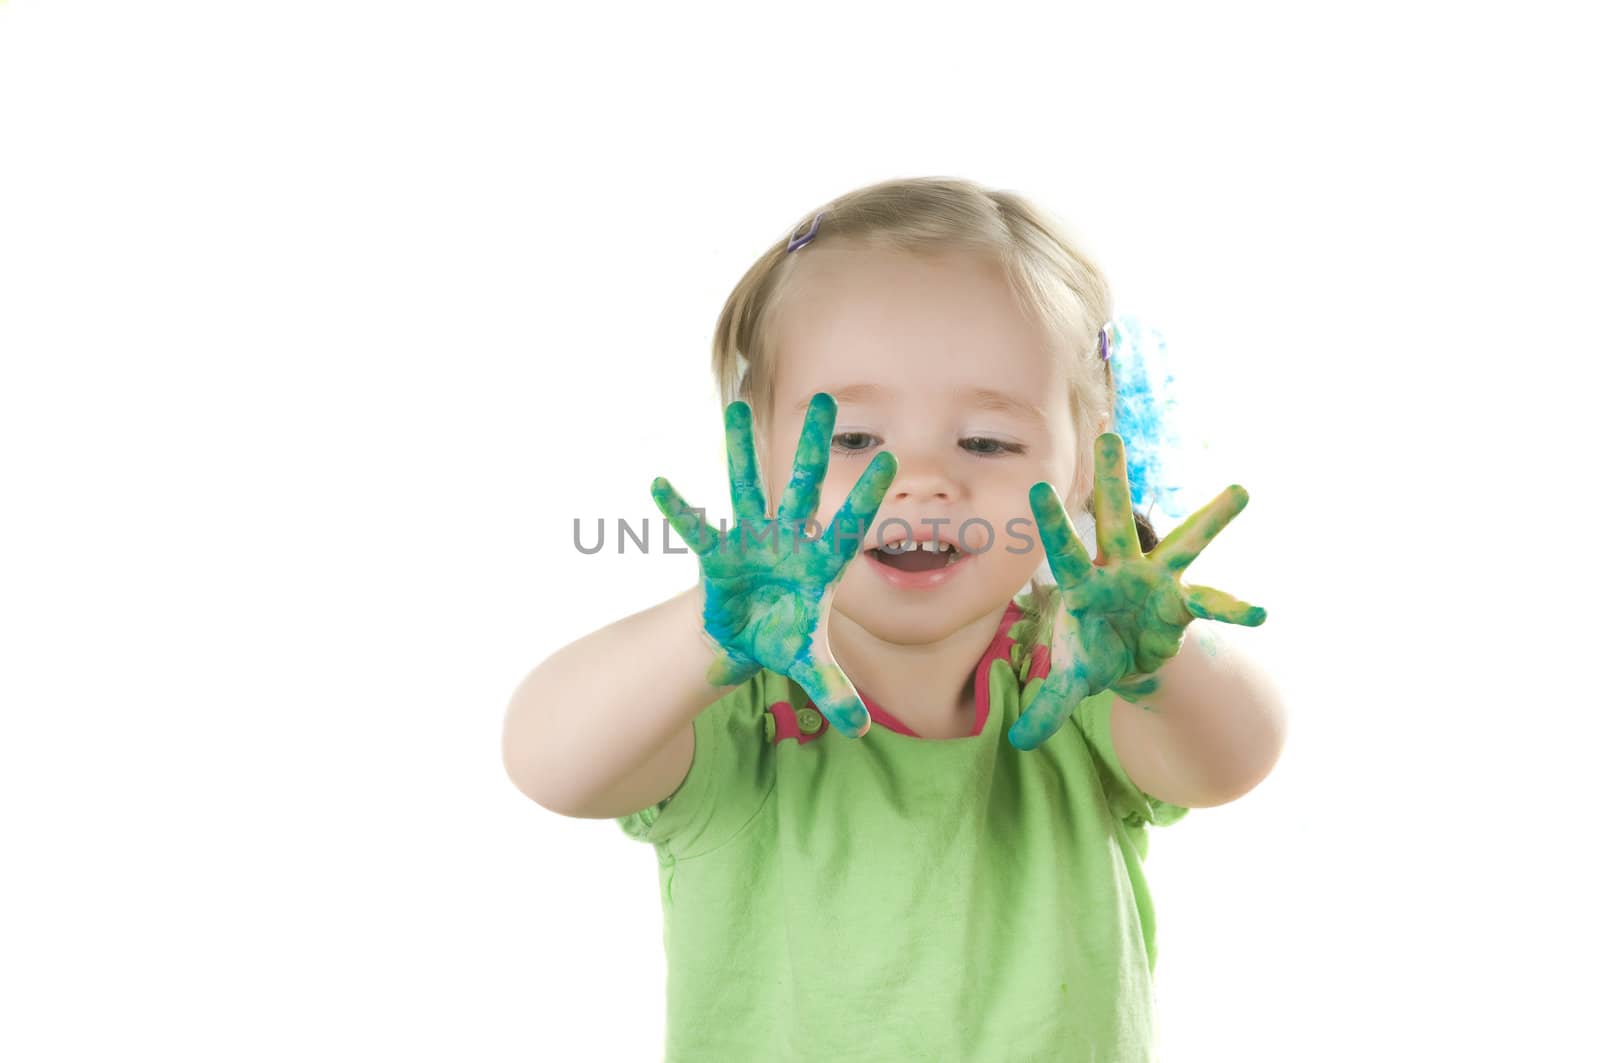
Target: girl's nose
919 478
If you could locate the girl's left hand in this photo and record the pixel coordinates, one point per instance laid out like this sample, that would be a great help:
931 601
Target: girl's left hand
1118 618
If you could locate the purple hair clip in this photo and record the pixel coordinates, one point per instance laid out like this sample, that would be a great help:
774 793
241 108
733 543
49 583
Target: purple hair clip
1105 343
797 242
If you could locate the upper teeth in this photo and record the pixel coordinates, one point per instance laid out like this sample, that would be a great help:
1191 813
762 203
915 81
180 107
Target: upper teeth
907 545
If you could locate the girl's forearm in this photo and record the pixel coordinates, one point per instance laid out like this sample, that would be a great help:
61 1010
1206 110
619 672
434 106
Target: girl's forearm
1212 721
594 717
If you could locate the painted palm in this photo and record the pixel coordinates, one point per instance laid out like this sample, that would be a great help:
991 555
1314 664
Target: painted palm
768 587
1118 620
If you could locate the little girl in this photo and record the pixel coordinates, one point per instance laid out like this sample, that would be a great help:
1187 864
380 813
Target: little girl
897 779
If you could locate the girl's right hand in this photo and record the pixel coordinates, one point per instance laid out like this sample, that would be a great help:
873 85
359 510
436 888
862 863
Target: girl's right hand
768 588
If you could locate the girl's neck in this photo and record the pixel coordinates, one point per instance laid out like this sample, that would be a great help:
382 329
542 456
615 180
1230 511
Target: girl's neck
929 687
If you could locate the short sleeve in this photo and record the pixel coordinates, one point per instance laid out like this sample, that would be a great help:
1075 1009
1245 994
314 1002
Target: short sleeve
729 777
1128 803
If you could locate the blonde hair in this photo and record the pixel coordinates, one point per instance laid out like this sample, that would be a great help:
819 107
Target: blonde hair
1053 279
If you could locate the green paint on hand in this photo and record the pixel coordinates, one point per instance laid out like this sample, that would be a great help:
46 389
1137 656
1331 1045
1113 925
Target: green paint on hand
1125 615
767 584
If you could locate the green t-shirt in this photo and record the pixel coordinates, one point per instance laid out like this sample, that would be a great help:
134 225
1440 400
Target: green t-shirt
900 898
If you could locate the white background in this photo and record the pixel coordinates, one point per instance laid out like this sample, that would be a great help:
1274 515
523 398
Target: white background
321 321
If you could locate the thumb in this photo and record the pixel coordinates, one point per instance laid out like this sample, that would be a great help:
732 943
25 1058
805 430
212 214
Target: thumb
832 692
1065 686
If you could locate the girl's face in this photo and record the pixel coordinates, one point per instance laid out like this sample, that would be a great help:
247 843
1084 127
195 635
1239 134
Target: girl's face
932 359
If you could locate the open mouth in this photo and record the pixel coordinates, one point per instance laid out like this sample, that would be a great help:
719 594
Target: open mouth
908 556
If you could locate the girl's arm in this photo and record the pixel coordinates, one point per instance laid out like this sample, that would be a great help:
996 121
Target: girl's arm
604 726
1205 729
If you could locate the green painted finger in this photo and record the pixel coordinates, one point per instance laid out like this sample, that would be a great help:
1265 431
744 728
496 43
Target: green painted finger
1069 559
1211 604
810 460
834 696
1030 692
744 473
688 522
849 526
1179 549
1117 535
1051 707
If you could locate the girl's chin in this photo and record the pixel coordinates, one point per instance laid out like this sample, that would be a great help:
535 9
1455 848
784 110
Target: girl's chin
900 630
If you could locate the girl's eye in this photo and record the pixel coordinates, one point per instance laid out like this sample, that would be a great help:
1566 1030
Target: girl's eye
985 446
851 442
